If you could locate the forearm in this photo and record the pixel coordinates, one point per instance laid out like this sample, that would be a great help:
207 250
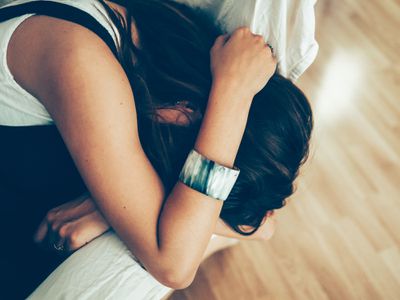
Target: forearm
223 126
189 217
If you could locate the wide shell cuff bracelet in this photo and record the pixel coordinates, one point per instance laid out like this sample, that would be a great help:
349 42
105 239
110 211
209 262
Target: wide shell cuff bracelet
207 176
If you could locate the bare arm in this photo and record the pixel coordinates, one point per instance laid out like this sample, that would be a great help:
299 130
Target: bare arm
89 97
74 224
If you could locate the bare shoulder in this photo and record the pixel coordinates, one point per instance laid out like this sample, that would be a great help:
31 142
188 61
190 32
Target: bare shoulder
78 80
68 68
46 51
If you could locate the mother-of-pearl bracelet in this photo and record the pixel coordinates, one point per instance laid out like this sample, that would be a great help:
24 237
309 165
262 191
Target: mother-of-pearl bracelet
207 176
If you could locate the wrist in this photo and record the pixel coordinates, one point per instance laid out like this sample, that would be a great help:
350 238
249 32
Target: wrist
222 127
234 94
223 123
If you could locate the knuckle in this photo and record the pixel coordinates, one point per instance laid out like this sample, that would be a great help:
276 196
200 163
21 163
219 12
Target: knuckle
242 30
259 39
218 40
54 226
63 230
51 215
74 239
221 37
87 203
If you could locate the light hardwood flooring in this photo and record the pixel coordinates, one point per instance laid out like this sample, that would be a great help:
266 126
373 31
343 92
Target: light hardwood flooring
339 236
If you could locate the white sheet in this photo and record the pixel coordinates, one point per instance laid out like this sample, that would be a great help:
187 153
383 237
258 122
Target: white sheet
103 269
287 25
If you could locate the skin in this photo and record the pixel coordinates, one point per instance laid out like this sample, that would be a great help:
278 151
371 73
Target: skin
85 90
76 223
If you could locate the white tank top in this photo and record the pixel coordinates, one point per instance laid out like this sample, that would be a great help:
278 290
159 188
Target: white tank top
17 106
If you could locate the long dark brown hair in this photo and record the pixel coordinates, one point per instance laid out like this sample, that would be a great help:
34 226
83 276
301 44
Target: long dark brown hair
172 64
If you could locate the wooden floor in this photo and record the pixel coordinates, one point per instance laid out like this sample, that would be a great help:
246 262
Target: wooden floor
339 237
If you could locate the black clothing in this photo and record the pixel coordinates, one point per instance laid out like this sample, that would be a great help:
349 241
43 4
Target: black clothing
36 175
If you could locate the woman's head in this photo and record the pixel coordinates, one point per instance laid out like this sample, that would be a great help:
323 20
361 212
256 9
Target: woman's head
173 64
274 146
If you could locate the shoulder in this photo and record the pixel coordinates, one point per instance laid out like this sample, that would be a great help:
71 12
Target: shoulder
40 40
48 55
43 44
75 75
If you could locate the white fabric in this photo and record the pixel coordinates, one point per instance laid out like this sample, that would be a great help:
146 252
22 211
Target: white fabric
287 25
103 269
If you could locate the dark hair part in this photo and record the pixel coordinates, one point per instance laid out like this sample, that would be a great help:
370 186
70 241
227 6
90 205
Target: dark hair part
173 64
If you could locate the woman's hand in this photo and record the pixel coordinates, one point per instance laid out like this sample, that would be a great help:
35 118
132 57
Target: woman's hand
72 225
264 232
243 62
267 229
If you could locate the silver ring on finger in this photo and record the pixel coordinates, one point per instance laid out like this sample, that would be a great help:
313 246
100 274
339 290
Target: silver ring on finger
270 47
59 248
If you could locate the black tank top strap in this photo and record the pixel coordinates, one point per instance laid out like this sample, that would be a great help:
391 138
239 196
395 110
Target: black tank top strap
34 159
60 11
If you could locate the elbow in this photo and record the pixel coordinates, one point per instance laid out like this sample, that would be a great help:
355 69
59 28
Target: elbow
176 278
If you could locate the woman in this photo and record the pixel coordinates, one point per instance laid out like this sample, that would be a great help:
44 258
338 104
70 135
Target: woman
128 137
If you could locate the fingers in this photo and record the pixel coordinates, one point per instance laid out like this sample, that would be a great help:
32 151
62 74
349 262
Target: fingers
63 213
41 232
220 41
269 213
50 236
59 236
78 233
245 32
55 233
75 208
53 240
70 226
54 228
242 31
85 230
257 38
49 225
244 36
